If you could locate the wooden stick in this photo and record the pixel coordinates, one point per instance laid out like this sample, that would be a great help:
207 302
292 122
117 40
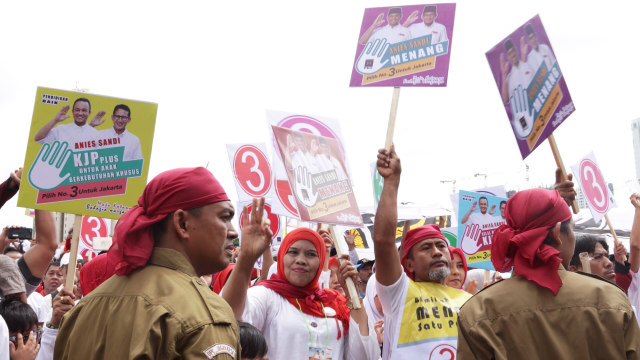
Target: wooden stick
586 265
487 276
613 232
73 254
556 155
392 118
351 287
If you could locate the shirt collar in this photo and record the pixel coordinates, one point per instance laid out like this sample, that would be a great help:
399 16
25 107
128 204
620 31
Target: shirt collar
171 259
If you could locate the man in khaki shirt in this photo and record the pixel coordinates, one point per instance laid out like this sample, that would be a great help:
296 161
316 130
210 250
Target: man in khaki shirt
544 311
156 306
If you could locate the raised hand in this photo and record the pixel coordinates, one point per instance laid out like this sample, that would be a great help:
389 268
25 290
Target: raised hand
256 232
349 238
474 206
46 171
635 201
522 116
523 49
388 163
412 18
379 20
620 253
98 120
469 241
565 187
62 114
16 176
492 210
370 59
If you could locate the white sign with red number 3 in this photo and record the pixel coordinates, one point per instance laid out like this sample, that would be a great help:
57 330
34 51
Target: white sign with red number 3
251 170
594 187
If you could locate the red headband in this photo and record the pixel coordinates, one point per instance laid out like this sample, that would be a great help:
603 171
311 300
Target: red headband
453 250
185 188
530 214
416 235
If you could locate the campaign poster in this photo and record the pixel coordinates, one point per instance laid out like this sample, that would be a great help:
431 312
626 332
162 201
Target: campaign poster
283 200
596 192
480 215
498 190
532 88
406 45
318 177
87 154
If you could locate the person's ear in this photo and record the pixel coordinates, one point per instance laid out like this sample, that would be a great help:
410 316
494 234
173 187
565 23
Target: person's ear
179 221
554 233
575 268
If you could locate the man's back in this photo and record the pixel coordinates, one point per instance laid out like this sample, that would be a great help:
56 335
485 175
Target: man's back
161 311
517 319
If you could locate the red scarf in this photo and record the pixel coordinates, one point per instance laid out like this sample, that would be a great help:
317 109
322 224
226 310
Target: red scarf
530 214
94 273
453 250
185 188
310 298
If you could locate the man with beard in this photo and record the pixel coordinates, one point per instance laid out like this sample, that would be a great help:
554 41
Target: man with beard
420 312
79 131
393 32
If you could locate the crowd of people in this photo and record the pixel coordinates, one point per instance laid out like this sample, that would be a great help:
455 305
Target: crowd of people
166 288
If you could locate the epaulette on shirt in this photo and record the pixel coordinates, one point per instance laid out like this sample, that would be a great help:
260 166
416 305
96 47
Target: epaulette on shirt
598 278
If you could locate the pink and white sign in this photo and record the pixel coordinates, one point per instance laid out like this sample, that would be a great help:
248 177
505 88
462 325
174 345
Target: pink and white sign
594 187
92 227
251 170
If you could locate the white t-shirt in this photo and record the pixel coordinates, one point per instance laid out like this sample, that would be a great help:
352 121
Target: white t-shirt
519 75
634 293
130 142
40 306
287 330
437 31
406 336
330 163
393 35
72 134
535 58
479 218
47 344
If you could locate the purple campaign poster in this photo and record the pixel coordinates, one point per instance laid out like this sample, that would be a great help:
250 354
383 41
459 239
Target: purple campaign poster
531 85
404 46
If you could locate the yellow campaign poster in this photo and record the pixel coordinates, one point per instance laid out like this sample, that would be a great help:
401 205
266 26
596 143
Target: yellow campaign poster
86 154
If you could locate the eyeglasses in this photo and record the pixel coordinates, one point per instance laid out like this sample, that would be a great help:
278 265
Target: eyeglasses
119 117
599 256
14 338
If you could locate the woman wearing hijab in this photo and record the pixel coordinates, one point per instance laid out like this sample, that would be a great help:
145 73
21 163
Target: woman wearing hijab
458 269
298 319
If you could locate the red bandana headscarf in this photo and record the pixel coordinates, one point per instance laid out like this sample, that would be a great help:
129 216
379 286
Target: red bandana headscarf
452 251
94 273
185 188
416 235
311 298
530 214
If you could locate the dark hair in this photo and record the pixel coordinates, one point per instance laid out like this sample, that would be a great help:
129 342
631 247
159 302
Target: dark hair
586 243
509 45
483 197
53 262
82 99
395 10
430 8
9 249
503 202
564 228
528 29
19 316
252 342
122 107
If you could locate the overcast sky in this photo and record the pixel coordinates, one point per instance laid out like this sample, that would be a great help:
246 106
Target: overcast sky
214 68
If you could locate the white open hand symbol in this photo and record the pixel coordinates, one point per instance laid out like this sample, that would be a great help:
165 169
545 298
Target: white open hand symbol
370 59
469 242
303 186
522 117
47 168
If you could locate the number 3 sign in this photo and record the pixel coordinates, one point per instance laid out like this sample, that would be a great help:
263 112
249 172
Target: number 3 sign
593 186
251 170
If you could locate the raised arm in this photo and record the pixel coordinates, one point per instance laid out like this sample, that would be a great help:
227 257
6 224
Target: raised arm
367 34
39 256
60 117
256 237
388 268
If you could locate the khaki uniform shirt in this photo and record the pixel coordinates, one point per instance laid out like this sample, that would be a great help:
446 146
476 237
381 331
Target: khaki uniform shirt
161 311
516 318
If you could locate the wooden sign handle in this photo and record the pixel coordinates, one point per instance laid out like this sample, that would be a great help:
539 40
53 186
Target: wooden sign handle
556 155
392 118
584 259
351 287
73 254
613 232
